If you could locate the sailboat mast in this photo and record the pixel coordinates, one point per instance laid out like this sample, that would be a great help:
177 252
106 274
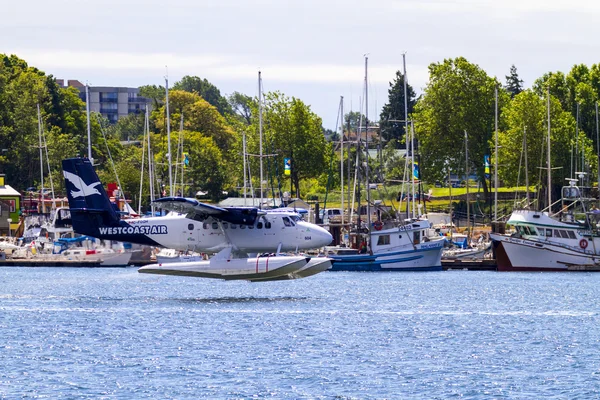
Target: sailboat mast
412 160
39 115
245 171
150 163
260 133
367 152
496 156
342 153
598 143
143 161
406 133
548 160
577 139
89 129
526 172
169 137
467 180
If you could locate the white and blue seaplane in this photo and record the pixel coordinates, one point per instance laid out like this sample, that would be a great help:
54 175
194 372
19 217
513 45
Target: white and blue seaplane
235 235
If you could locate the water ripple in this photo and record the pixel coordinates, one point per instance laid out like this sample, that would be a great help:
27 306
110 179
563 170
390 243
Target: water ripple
118 334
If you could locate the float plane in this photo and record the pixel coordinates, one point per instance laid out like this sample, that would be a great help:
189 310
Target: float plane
235 234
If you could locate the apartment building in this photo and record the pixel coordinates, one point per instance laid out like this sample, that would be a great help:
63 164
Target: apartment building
112 102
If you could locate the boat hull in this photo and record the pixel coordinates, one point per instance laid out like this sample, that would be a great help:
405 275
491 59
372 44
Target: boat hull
426 257
517 254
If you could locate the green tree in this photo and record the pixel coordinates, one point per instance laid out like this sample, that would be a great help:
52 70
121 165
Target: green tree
514 85
207 90
154 93
352 121
392 115
290 130
241 105
527 116
129 127
459 97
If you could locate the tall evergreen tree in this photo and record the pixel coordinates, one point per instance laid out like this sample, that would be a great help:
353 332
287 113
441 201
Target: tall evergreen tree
514 85
392 114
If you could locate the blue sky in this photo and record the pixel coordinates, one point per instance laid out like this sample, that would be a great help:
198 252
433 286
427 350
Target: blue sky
312 50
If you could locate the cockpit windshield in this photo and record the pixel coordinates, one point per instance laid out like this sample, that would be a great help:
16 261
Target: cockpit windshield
288 222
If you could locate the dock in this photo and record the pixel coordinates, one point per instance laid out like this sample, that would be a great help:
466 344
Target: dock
469 265
54 263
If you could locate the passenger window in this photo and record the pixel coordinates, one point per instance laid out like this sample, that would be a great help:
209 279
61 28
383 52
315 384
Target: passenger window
215 225
383 240
417 238
225 225
556 233
190 227
286 221
250 226
233 226
205 226
259 225
242 226
572 235
549 232
268 225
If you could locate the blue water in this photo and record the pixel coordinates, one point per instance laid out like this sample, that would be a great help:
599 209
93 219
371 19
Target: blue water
118 334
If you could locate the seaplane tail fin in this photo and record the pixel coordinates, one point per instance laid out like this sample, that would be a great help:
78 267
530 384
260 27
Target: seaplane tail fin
89 204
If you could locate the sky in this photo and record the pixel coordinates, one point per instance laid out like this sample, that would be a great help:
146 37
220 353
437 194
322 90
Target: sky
313 50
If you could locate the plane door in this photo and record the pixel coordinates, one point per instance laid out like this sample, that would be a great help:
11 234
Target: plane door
190 236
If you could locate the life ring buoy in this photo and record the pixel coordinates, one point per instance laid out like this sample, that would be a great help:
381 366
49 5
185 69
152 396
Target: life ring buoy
377 225
583 243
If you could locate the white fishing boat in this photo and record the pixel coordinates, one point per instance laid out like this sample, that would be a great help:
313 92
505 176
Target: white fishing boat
400 248
389 245
565 241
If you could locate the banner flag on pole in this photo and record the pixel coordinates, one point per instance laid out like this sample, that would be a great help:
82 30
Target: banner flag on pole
288 166
486 163
416 172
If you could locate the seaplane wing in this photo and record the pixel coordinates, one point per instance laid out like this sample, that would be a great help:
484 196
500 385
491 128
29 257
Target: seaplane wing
234 215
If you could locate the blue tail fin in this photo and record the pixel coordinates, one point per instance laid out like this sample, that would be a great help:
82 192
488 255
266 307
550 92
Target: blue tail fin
90 205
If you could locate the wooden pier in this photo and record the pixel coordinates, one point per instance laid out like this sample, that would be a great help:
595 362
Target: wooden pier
469 265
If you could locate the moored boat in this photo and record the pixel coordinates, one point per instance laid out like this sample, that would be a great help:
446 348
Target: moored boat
565 241
401 248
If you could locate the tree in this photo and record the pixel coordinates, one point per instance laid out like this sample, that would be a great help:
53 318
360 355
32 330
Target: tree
291 130
207 90
155 93
528 113
353 120
514 85
129 127
459 97
241 105
392 115
203 124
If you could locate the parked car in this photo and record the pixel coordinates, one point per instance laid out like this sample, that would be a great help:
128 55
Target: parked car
327 213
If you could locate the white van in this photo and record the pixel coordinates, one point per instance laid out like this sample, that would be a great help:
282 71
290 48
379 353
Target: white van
326 213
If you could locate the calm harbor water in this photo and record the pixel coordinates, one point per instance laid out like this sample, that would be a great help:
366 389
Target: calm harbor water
115 333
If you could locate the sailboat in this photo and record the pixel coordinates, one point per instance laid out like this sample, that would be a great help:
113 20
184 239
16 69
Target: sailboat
568 240
402 247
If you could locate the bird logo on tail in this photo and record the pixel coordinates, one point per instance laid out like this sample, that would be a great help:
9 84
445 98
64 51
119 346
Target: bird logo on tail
83 190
